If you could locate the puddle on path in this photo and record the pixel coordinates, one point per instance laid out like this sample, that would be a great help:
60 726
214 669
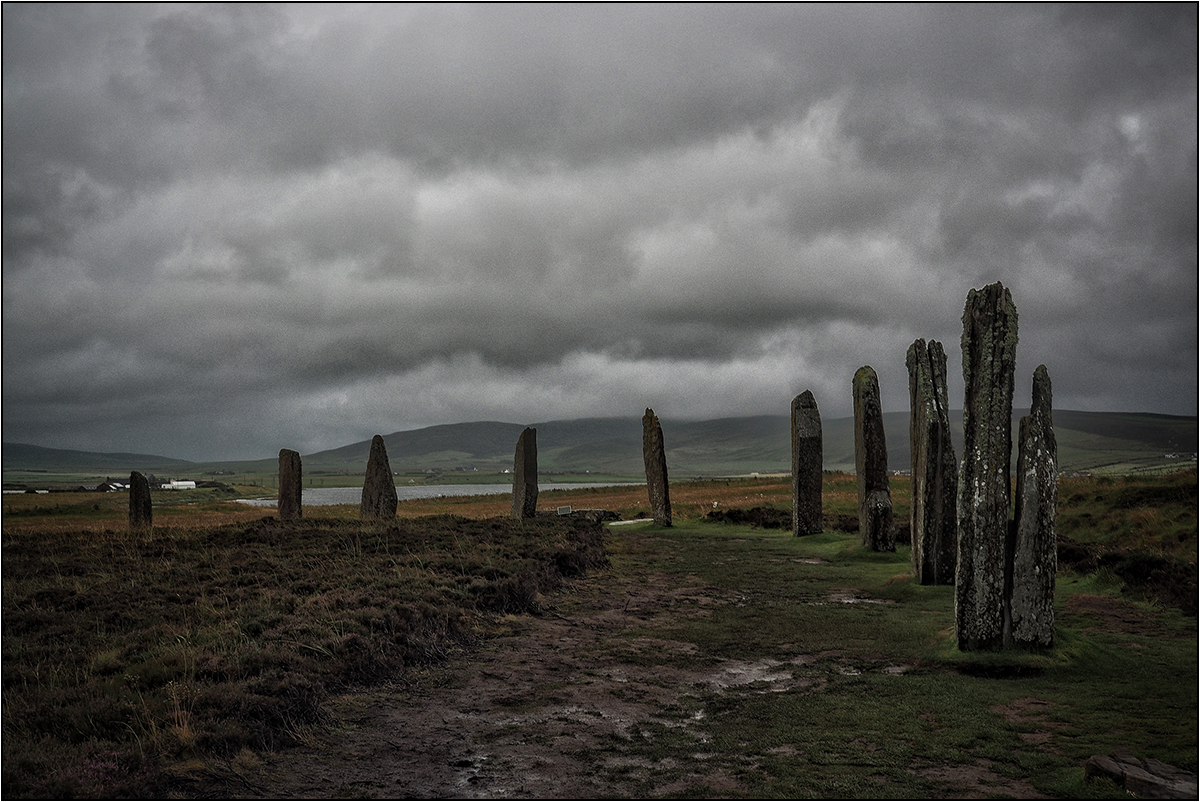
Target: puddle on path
851 597
776 674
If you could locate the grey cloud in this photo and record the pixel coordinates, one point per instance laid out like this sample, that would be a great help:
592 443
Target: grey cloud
421 214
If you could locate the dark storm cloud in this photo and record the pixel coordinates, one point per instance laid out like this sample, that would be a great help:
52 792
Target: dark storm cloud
230 228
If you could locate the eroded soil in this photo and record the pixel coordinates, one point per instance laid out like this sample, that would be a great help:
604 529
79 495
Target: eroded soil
519 718
1094 613
508 720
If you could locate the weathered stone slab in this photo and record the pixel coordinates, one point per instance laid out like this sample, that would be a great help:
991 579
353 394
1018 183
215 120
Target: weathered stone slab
1103 766
654 454
989 345
379 487
141 513
876 525
525 475
1148 779
1142 783
1172 774
1035 548
933 518
807 465
291 485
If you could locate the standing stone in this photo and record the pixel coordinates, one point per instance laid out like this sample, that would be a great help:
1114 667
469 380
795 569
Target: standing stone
654 454
379 487
291 485
989 346
525 476
933 508
1034 547
875 522
807 464
141 514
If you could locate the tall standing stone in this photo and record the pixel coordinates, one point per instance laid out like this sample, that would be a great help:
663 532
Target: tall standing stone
379 487
989 347
1034 547
933 507
654 454
291 485
525 475
141 514
807 465
875 521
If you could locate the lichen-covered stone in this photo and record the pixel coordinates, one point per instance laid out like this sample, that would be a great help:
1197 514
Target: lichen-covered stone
141 513
1035 548
807 465
525 475
875 520
654 454
933 520
291 485
379 487
989 346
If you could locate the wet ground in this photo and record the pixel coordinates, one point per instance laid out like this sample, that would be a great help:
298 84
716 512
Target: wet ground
516 719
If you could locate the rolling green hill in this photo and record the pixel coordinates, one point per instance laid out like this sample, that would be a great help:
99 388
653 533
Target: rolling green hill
24 457
1115 442
1118 442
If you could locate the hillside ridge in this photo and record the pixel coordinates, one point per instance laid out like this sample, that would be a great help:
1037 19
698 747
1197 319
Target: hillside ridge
721 446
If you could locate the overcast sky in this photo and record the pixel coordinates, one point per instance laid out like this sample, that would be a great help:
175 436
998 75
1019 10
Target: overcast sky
232 229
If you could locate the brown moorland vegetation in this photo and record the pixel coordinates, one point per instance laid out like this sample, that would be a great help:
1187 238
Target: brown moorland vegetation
141 665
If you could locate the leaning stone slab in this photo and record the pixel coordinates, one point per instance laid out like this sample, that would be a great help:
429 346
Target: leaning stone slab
525 475
876 525
379 487
989 346
933 518
291 485
807 465
654 455
1035 546
141 513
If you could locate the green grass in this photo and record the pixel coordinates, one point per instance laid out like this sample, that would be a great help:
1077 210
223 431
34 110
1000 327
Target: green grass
884 693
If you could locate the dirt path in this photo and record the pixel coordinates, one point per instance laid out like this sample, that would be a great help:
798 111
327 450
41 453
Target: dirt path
511 720
507 721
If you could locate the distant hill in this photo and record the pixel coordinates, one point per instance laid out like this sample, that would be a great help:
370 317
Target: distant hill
1114 441
1106 441
21 456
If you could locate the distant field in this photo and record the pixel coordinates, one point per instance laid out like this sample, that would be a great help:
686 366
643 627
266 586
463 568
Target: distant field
263 480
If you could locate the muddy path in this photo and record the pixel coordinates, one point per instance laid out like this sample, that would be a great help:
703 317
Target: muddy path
535 712
511 719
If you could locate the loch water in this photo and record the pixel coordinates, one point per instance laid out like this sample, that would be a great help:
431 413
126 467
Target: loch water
324 496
